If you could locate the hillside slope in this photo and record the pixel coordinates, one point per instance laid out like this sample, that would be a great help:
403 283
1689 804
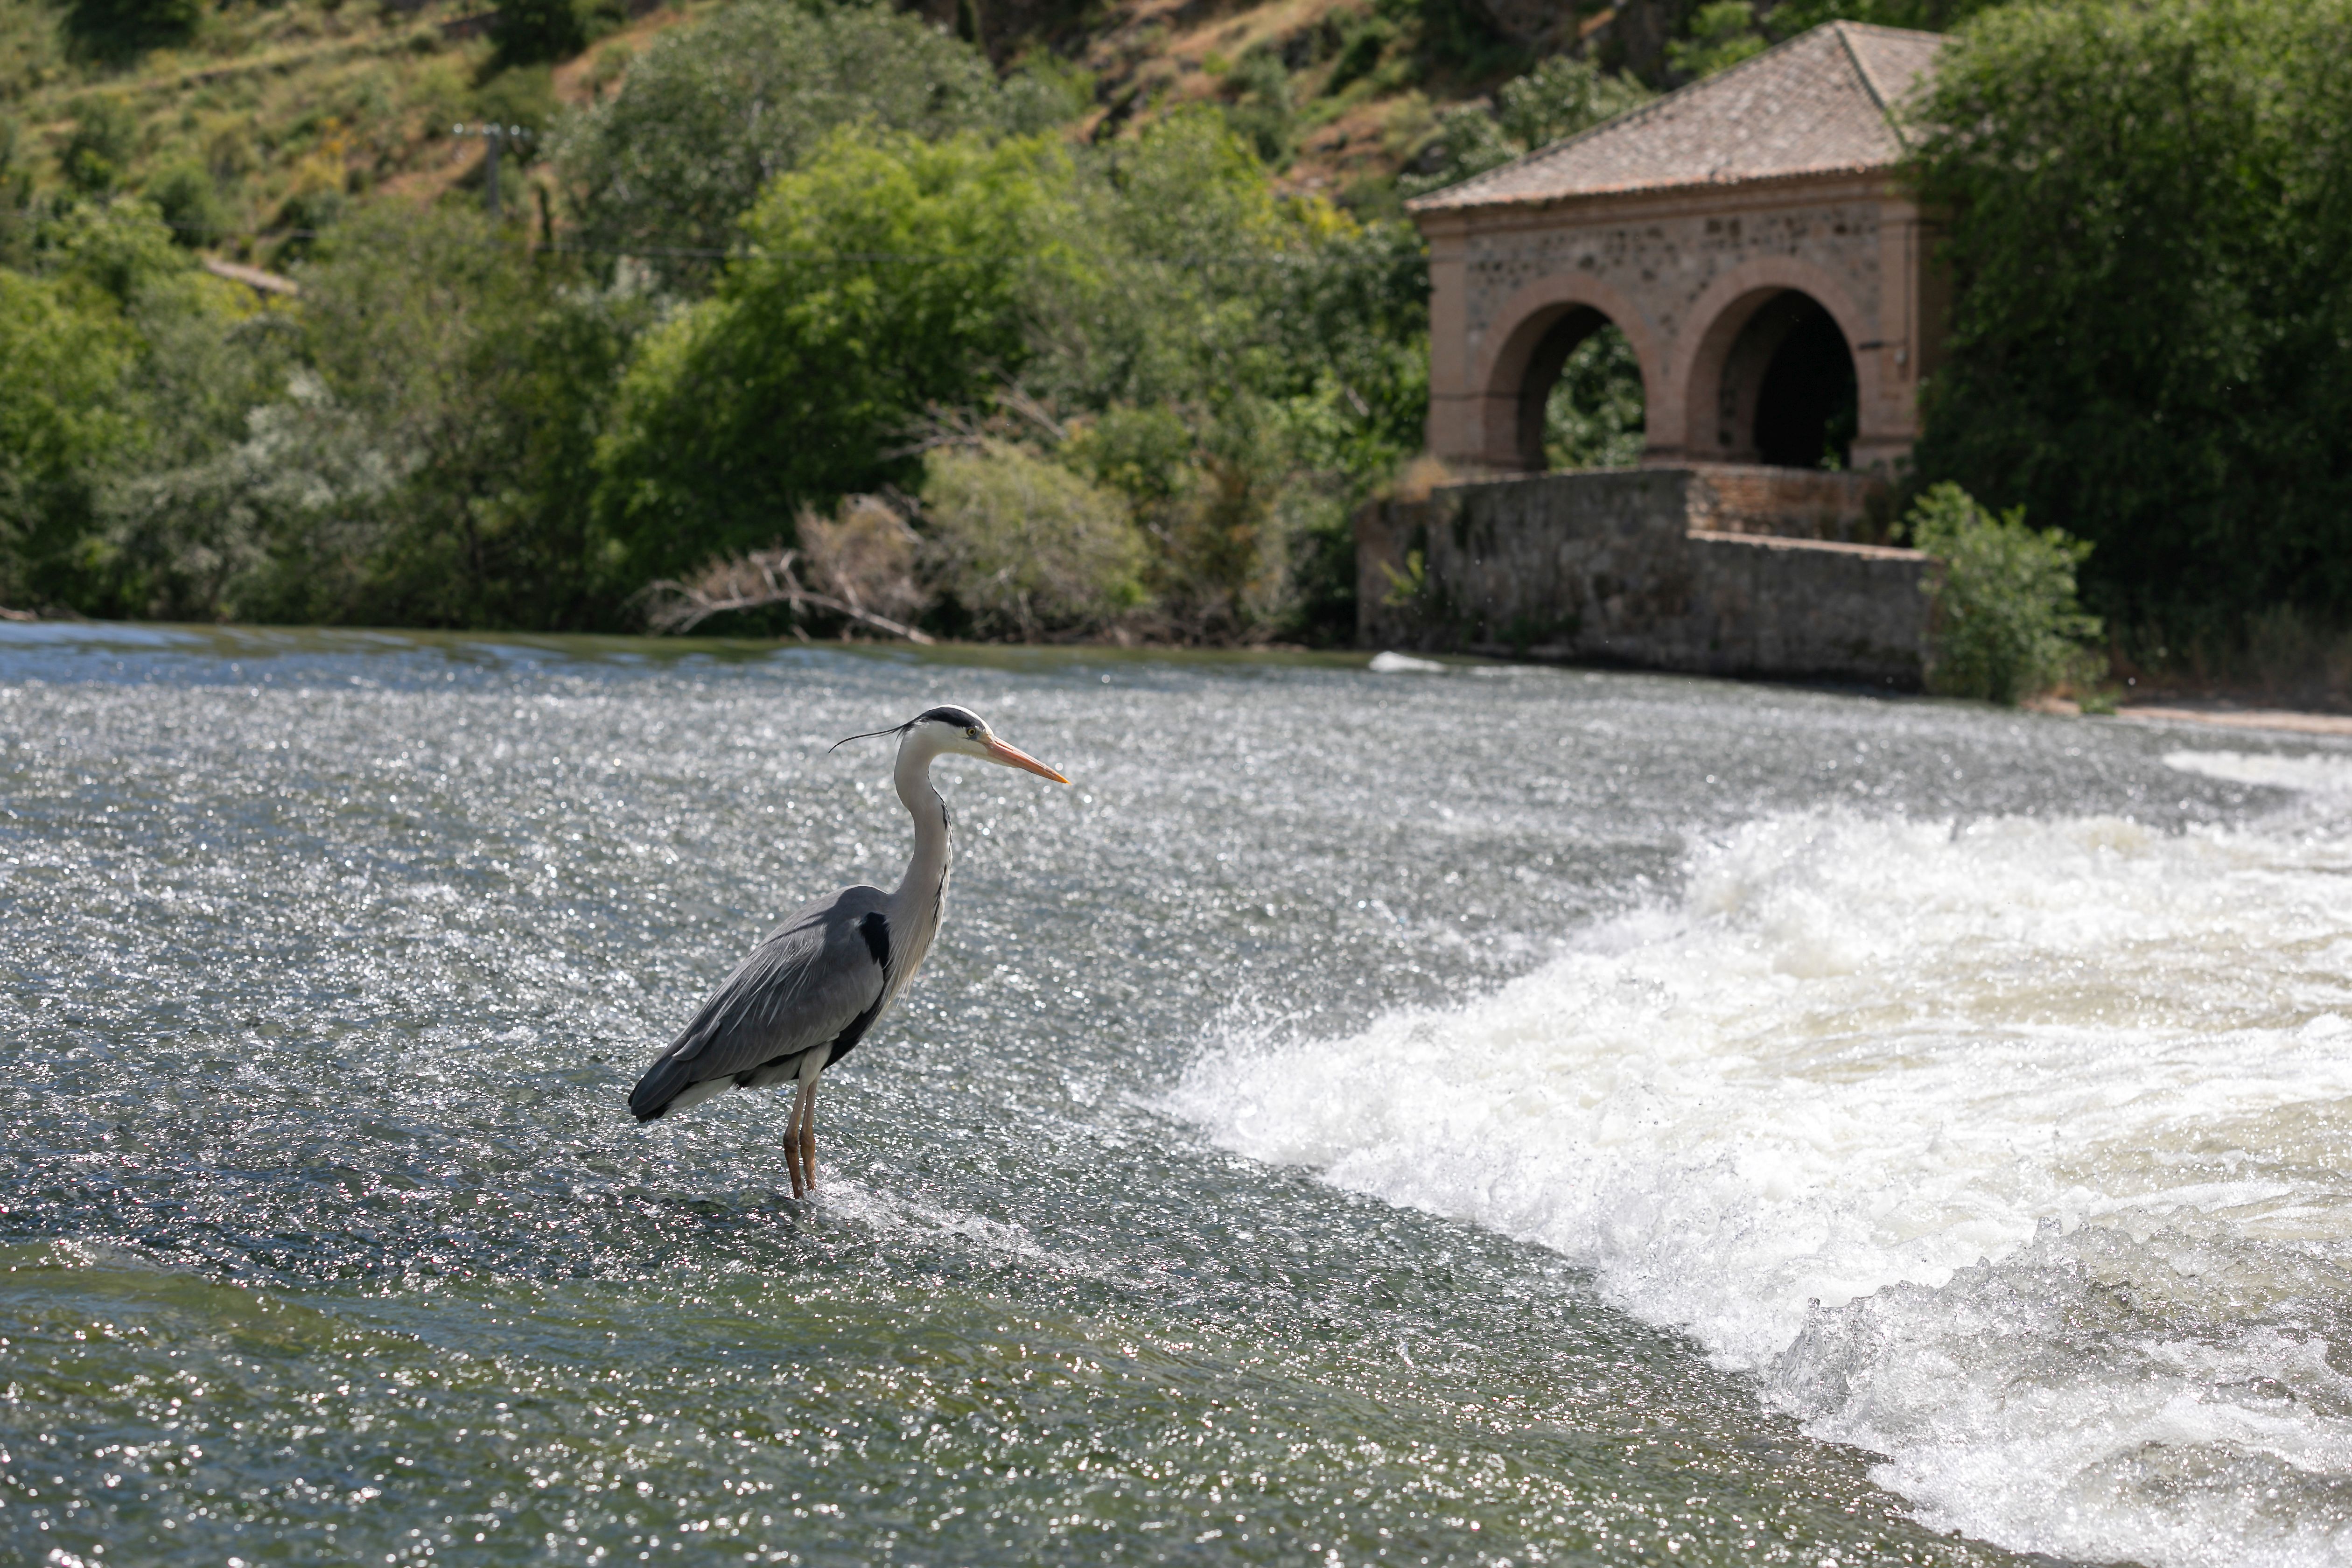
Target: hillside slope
264 120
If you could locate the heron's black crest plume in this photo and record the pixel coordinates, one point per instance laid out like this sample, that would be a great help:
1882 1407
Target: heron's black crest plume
870 734
961 718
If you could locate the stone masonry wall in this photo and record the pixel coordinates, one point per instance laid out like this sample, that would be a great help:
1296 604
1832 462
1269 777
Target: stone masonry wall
1791 503
1664 263
1609 566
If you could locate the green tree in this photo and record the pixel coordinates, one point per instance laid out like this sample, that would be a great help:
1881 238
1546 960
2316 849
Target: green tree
2150 201
1242 366
483 379
1024 546
96 156
2008 624
532 32
1787 18
165 362
883 277
1555 100
668 167
65 355
190 204
1594 417
117 29
1719 35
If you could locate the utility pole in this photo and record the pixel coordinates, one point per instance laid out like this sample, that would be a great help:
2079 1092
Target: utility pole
494 137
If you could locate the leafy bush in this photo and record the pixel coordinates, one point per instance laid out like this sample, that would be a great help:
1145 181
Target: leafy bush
1556 99
190 204
1024 546
105 138
1787 18
1719 35
282 523
116 29
877 284
668 165
1594 417
64 417
2152 339
1261 106
486 379
523 96
1364 38
532 32
2007 622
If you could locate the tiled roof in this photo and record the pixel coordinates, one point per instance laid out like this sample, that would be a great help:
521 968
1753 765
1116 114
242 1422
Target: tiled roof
1816 104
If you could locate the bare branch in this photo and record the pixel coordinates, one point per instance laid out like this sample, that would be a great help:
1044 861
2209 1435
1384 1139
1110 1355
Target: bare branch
1018 399
754 581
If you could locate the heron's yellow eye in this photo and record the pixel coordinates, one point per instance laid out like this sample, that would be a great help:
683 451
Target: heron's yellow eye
971 732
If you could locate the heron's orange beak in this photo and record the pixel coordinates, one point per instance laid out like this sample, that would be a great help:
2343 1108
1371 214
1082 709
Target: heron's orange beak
998 752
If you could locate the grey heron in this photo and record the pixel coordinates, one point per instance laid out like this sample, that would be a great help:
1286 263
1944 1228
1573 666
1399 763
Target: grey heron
814 985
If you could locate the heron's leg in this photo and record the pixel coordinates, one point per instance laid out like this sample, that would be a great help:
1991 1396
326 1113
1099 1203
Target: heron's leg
814 1066
793 1142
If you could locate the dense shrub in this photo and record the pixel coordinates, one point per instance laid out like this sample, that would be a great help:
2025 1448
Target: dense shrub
65 416
115 30
97 153
532 32
190 204
484 378
1594 417
2007 623
881 280
121 359
1188 375
1024 546
709 115
2151 202
1557 98
1719 36
1261 110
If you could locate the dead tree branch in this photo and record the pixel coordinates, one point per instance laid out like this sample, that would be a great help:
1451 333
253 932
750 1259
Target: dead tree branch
754 581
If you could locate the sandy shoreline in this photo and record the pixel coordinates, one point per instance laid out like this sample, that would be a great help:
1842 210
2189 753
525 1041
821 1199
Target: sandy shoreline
2280 718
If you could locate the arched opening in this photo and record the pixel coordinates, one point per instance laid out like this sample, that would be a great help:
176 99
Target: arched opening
1580 401
1791 373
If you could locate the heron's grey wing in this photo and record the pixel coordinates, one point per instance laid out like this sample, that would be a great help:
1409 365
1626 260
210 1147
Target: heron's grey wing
811 978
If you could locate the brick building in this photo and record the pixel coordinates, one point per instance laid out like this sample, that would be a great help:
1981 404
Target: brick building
1747 236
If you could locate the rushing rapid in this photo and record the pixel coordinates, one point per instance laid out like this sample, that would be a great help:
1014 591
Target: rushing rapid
1414 1116
2013 1151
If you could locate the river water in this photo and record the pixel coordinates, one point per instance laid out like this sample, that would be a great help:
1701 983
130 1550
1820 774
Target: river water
1503 1115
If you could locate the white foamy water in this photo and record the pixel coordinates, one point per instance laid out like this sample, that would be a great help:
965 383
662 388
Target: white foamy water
2019 1153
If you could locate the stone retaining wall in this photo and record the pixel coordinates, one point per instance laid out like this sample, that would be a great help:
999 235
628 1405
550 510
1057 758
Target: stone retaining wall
1632 566
1789 503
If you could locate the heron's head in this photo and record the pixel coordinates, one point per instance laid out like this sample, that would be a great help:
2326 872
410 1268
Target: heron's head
949 729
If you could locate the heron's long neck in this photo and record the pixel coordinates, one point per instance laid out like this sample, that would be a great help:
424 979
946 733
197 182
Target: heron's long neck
921 900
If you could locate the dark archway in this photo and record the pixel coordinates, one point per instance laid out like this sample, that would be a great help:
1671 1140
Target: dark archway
1807 402
1580 401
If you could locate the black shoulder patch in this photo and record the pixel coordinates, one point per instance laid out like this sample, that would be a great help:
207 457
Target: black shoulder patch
877 933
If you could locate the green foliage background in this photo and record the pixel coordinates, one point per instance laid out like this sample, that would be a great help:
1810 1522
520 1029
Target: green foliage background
2151 208
810 250
2007 622
883 277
